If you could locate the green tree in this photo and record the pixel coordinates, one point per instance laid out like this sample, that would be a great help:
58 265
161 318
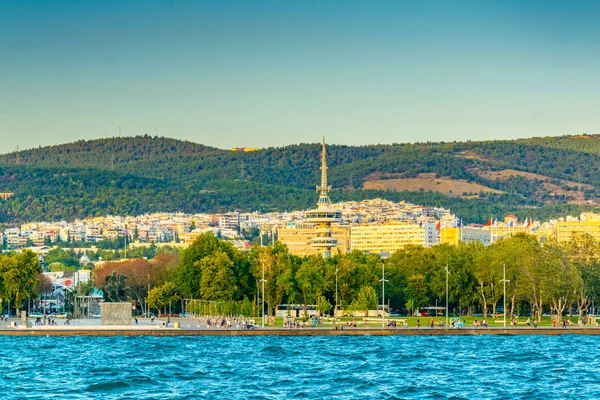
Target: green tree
217 280
58 267
62 256
20 276
366 300
355 270
161 296
562 281
584 253
310 279
323 305
189 272
277 263
416 290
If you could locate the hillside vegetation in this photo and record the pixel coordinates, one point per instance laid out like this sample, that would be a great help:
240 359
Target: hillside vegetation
538 177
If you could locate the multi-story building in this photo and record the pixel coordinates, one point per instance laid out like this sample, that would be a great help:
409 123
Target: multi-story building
229 221
566 230
93 234
12 237
387 237
454 235
297 236
431 237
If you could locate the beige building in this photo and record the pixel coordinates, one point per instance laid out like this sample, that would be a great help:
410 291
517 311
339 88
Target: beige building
387 237
298 238
565 230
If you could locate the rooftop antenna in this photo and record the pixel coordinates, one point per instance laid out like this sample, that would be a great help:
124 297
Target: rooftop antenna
119 131
156 132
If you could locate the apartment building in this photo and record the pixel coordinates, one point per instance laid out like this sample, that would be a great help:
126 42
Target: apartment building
387 237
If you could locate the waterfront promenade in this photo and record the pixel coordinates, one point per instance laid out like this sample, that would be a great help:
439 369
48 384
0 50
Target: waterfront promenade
188 327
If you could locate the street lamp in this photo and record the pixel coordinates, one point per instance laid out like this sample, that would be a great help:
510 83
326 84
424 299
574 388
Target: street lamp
336 294
147 297
383 281
263 294
447 272
504 281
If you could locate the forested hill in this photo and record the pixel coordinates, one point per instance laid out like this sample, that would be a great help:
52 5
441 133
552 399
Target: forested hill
537 178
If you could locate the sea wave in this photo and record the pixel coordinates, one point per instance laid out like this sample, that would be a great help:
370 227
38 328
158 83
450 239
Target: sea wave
300 367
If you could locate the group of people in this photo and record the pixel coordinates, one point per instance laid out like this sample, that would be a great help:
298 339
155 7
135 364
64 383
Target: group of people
226 322
49 321
565 323
528 322
293 324
480 324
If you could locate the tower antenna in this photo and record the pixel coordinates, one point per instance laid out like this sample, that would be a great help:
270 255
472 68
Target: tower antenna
324 188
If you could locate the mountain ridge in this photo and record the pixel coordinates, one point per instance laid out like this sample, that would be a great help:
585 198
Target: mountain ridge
144 174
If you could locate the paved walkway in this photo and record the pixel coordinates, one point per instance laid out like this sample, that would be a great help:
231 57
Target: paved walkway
189 327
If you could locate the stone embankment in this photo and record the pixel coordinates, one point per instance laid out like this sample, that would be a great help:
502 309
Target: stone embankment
145 331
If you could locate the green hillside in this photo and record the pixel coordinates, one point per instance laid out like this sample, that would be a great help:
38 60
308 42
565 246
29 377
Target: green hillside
539 177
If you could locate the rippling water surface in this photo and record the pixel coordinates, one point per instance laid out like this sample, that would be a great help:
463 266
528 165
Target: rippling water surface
300 367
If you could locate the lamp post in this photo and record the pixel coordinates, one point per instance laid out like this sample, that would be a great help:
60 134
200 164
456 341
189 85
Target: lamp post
383 281
447 272
336 297
263 294
147 297
504 281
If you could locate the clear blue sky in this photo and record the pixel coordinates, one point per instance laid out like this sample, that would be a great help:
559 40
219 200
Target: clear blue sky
267 73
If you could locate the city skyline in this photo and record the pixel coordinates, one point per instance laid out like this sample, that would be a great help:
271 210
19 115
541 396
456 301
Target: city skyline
268 73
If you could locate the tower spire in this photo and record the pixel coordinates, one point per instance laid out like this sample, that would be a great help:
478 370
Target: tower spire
324 188
324 215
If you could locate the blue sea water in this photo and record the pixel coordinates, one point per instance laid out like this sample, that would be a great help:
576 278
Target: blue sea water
271 367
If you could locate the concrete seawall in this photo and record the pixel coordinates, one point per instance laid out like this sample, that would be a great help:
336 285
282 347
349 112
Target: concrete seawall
129 331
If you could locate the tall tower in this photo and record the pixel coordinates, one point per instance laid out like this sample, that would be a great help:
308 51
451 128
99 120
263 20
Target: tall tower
323 216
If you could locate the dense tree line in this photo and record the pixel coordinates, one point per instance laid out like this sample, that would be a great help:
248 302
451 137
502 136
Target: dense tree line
556 279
